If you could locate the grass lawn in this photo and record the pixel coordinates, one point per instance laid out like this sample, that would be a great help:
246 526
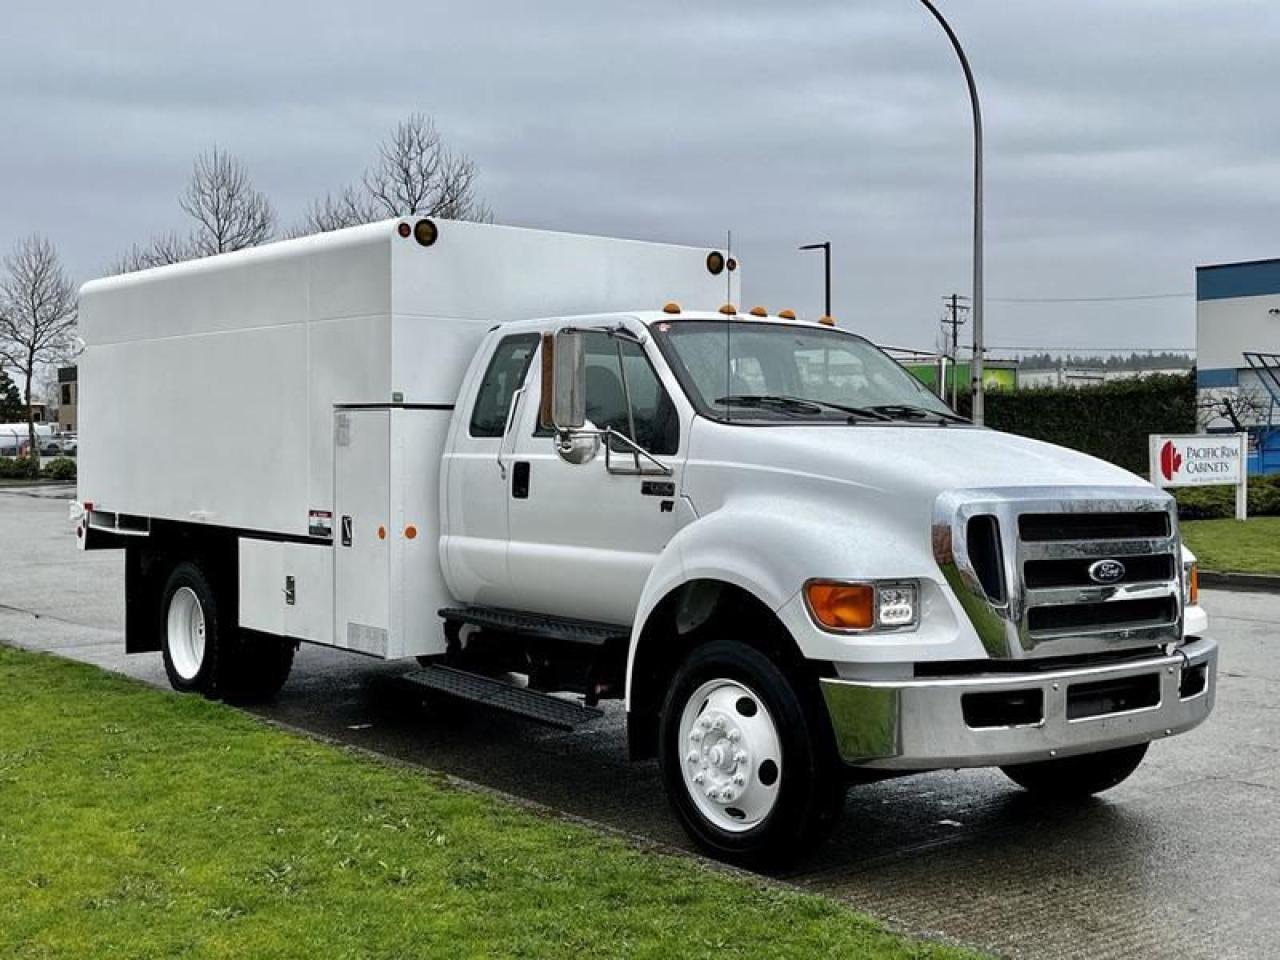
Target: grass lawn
1229 546
137 823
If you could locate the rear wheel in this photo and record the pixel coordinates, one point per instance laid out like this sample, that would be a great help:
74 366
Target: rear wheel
204 654
746 757
1075 777
189 628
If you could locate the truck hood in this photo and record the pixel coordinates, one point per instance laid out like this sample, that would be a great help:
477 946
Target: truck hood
920 460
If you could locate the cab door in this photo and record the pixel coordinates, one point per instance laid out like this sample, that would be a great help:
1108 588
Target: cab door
583 540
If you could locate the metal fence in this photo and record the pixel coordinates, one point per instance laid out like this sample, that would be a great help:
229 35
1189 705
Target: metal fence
16 442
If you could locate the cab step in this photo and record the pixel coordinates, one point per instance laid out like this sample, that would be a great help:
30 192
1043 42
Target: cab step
586 632
506 697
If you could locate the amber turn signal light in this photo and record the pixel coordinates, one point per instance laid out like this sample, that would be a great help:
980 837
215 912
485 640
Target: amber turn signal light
1193 585
841 606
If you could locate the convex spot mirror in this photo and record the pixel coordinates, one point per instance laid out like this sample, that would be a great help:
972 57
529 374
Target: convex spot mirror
578 446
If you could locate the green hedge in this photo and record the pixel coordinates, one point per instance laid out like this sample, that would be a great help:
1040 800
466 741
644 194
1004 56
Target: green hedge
1212 503
19 468
60 468
1111 421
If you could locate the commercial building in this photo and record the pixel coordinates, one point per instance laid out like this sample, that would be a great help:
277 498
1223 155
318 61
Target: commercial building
68 397
1238 355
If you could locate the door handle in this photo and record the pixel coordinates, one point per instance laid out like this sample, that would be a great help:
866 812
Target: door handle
520 480
346 531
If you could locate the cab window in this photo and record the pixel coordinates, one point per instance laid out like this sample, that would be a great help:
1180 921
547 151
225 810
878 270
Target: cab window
507 370
657 426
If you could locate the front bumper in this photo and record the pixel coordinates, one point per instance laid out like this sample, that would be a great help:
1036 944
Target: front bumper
935 723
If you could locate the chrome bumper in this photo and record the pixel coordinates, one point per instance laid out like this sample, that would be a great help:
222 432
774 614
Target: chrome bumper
922 724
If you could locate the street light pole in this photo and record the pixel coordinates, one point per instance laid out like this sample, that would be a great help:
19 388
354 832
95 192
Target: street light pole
976 367
825 247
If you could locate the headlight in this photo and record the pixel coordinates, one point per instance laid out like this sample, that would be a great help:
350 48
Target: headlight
854 607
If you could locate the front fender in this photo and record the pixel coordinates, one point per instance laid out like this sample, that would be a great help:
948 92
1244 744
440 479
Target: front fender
770 546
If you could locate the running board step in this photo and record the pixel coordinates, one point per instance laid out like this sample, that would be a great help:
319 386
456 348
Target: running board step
585 632
500 695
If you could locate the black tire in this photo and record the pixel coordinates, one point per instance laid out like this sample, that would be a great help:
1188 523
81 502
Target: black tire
1077 777
188 671
811 788
234 666
257 669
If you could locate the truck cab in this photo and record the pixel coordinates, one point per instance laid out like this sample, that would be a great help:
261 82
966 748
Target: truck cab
797 567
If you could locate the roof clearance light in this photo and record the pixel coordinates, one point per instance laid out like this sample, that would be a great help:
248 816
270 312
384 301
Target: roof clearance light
759 312
715 263
787 314
729 310
671 307
425 232
827 321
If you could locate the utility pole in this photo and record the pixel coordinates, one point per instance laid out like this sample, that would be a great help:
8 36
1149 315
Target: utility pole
955 320
825 247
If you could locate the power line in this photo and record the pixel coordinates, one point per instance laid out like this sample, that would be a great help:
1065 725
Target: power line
1140 296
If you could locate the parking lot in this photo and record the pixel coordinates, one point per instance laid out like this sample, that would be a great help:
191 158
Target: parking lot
1180 861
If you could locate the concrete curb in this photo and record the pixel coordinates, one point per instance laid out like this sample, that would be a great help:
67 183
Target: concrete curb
1249 582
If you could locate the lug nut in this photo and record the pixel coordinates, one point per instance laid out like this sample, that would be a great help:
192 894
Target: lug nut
699 777
717 723
740 757
735 735
693 756
739 779
695 736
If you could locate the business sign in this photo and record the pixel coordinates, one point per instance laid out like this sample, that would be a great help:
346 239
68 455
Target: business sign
1204 460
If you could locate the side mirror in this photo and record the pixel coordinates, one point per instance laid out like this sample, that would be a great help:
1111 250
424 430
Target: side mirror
564 381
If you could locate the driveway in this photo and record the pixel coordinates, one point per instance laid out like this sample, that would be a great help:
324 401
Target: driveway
1182 860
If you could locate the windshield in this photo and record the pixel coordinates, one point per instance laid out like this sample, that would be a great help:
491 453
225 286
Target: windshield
750 371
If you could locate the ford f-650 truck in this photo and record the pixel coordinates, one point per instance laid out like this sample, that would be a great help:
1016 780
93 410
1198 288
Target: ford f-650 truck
557 469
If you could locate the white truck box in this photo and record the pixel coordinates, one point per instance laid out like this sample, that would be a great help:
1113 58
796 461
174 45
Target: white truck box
208 388
275 391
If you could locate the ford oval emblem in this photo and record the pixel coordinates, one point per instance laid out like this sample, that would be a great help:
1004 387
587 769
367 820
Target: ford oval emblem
1106 571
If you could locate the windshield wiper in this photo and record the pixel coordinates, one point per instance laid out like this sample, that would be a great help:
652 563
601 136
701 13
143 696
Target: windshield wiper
804 405
907 411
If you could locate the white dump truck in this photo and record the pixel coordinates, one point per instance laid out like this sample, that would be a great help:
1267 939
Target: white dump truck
559 469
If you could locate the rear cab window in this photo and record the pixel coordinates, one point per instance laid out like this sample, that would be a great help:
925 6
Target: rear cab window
506 372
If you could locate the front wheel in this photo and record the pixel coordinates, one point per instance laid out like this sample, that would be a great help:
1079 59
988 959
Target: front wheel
1077 777
746 757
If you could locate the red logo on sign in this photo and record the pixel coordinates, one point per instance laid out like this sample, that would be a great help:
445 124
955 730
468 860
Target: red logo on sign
1170 460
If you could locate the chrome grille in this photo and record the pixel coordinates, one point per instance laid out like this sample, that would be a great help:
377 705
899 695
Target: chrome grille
1042 600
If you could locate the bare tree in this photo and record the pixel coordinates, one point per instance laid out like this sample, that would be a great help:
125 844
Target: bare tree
37 314
166 248
1240 407
229 214
415 173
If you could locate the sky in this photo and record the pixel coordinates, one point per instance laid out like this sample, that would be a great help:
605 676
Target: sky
1125 142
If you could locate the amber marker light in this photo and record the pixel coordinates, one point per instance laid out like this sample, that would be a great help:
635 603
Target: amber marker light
1193 585
759 312
841 606
787 314
671 307
410 532
729 310
827 320
425 232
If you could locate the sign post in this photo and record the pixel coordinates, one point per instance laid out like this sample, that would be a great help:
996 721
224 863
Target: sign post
1203 460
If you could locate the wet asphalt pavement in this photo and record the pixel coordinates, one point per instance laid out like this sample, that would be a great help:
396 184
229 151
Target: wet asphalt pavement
1182 860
